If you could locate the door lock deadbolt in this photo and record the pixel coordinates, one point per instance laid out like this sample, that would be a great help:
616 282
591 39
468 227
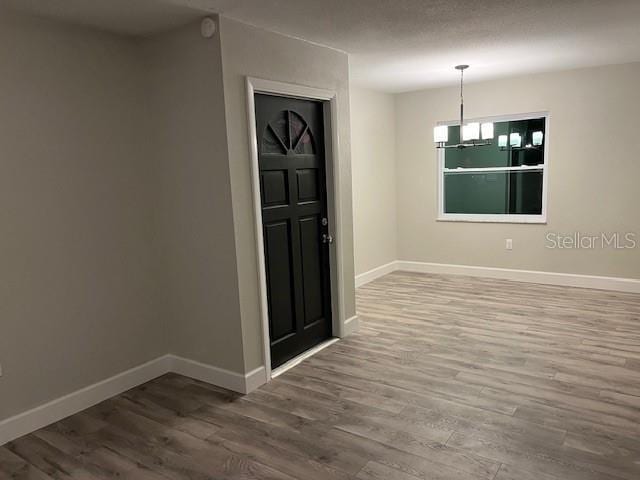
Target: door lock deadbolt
327 238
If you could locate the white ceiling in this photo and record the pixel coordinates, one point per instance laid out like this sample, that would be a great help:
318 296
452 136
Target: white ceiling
401 45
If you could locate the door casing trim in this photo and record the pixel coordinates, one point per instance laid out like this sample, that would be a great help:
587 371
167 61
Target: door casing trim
334 206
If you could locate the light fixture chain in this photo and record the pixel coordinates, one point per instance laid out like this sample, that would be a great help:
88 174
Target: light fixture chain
461 99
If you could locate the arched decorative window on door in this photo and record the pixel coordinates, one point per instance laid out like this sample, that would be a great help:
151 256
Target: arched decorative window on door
287 134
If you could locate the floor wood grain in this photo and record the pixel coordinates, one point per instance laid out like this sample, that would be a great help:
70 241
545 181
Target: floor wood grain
450 377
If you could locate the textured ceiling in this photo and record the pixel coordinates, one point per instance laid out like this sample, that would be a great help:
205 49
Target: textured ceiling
400 45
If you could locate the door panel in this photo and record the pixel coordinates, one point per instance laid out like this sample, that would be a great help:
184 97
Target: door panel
277 240
310 234
307 184
294 204
275 188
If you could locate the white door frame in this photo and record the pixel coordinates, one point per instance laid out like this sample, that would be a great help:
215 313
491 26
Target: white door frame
332 162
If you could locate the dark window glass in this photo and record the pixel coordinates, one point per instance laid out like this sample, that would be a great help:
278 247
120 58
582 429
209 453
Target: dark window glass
494 193
494 190
287 131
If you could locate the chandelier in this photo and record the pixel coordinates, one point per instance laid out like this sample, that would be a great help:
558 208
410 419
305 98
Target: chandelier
473 134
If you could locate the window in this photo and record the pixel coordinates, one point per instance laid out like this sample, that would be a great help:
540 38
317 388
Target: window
502 182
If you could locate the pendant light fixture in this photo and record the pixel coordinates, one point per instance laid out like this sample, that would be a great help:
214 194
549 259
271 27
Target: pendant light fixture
470 133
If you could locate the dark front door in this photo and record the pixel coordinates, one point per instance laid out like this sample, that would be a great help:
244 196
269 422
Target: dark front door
295 223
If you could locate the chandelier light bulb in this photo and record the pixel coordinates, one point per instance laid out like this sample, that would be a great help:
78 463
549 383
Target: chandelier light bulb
487 130
441 134
471 131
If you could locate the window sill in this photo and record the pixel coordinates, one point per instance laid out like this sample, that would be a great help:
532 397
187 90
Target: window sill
471 218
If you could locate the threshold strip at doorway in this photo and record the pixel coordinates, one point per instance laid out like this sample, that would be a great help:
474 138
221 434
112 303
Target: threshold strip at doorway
303 356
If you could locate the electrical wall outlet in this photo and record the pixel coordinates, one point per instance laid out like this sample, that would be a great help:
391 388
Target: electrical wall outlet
509 244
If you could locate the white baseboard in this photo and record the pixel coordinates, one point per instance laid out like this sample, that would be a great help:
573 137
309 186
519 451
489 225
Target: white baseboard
255 379
60 408
374 273
51 412
351 325
617 284
219 376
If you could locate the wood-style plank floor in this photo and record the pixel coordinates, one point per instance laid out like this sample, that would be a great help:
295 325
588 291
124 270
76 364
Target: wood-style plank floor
449 378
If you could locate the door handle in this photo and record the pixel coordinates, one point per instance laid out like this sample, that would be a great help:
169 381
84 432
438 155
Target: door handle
326 238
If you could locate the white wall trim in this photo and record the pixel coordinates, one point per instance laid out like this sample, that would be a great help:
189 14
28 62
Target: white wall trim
43 415
351 325
617 284
258 85
374 273
219 376
255 379
72 403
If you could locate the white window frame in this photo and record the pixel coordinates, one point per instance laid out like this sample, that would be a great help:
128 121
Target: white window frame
498 218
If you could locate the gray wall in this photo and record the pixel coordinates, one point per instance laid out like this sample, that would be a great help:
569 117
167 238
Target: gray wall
78 288
593 171
251 51
373 153
127 225
200 302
